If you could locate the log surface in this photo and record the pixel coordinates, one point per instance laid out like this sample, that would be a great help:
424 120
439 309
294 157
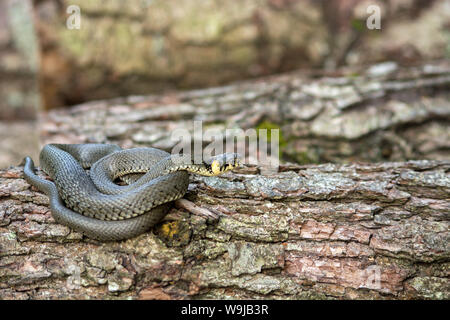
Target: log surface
306 232
387 113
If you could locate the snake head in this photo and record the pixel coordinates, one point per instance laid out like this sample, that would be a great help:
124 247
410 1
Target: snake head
223 163
214 166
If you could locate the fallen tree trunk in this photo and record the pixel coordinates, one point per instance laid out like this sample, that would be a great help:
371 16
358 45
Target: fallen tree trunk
386 113
314 231
303 231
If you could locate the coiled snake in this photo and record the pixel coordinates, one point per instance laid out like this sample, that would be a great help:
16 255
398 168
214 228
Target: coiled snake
94 205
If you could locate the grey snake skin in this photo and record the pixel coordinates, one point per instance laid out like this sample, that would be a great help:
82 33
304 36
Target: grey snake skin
94 205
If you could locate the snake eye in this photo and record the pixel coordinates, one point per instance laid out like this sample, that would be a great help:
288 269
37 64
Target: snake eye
215 167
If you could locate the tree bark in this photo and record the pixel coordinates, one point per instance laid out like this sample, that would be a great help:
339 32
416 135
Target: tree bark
315 231
302 232
386 113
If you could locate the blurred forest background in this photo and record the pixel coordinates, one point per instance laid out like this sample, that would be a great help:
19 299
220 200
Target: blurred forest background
148 46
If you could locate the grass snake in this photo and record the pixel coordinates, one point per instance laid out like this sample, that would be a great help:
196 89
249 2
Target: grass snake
92 203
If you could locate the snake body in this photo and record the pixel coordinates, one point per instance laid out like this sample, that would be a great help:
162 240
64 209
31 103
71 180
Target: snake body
94 205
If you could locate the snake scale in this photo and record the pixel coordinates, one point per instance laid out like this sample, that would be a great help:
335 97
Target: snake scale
92 203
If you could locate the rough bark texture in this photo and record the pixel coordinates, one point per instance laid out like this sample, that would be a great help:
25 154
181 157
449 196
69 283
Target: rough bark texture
305 232
385 113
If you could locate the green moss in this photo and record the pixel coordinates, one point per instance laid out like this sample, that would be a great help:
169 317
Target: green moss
269 126
305 158
358 25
